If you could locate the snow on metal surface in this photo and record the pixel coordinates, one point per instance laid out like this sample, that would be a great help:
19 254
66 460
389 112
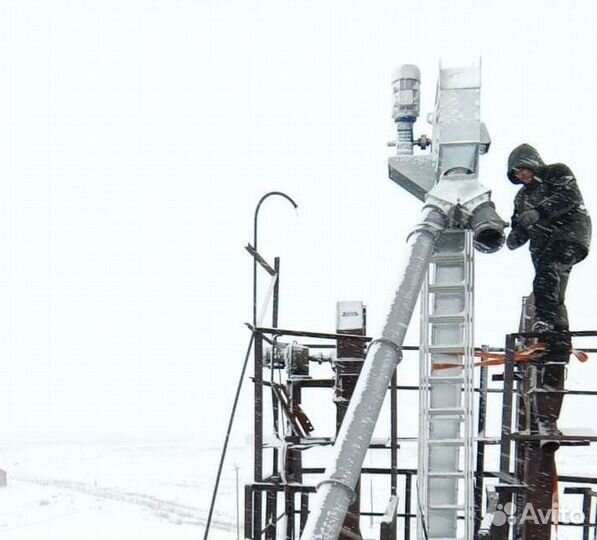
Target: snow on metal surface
336 490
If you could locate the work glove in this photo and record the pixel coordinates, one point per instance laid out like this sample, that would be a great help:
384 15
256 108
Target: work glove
516 238
528 218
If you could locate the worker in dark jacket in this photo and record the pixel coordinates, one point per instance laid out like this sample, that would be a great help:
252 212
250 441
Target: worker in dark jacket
550 213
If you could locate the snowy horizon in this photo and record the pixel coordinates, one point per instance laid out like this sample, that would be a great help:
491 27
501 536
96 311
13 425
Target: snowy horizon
135 140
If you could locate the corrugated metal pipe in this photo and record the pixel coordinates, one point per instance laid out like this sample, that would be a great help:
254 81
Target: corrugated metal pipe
335 492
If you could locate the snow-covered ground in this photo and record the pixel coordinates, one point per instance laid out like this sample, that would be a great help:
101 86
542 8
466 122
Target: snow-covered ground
105 491
102 491
158 490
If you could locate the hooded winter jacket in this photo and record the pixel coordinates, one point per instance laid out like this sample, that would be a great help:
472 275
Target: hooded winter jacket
554 193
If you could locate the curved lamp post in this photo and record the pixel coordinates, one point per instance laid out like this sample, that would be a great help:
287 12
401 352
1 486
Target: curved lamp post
242 375
255 223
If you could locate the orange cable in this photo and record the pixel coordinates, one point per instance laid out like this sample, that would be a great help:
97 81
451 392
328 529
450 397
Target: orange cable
497 359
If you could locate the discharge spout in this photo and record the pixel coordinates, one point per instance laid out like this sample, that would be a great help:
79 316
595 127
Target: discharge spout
335 492
488 228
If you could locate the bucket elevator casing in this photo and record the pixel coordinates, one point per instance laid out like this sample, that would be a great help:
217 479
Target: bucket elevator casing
454 200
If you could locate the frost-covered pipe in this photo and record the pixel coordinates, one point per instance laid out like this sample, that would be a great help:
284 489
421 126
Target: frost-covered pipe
335 492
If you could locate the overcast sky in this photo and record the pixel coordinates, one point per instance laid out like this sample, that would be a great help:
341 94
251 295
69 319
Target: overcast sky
137 136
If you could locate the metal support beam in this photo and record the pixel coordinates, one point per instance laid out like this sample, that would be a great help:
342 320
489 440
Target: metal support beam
350 354
394 445
407 505
248 512
270 515
483 381
505 496
258 432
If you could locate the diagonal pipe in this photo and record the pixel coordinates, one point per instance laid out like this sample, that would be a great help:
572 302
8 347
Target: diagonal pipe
336 491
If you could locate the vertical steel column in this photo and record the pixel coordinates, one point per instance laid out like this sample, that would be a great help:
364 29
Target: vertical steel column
289 494
294 465
394 444
248 512
270 514
275 404
507 406
407 505
304 511
350 354
258 435
505 495
479 481
539 476
522 452
272 496
276 298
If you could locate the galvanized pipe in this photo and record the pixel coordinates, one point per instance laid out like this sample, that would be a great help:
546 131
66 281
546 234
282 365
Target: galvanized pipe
336 491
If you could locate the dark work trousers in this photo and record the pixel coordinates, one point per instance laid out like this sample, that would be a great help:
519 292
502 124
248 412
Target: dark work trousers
552 270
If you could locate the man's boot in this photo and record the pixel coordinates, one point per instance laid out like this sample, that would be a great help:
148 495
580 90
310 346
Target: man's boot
549 395
559 345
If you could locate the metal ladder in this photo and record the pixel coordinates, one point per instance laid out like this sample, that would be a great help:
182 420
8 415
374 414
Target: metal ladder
446 436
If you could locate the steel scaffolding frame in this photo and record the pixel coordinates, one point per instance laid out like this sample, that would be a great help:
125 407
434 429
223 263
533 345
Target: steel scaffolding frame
502 480
261 520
